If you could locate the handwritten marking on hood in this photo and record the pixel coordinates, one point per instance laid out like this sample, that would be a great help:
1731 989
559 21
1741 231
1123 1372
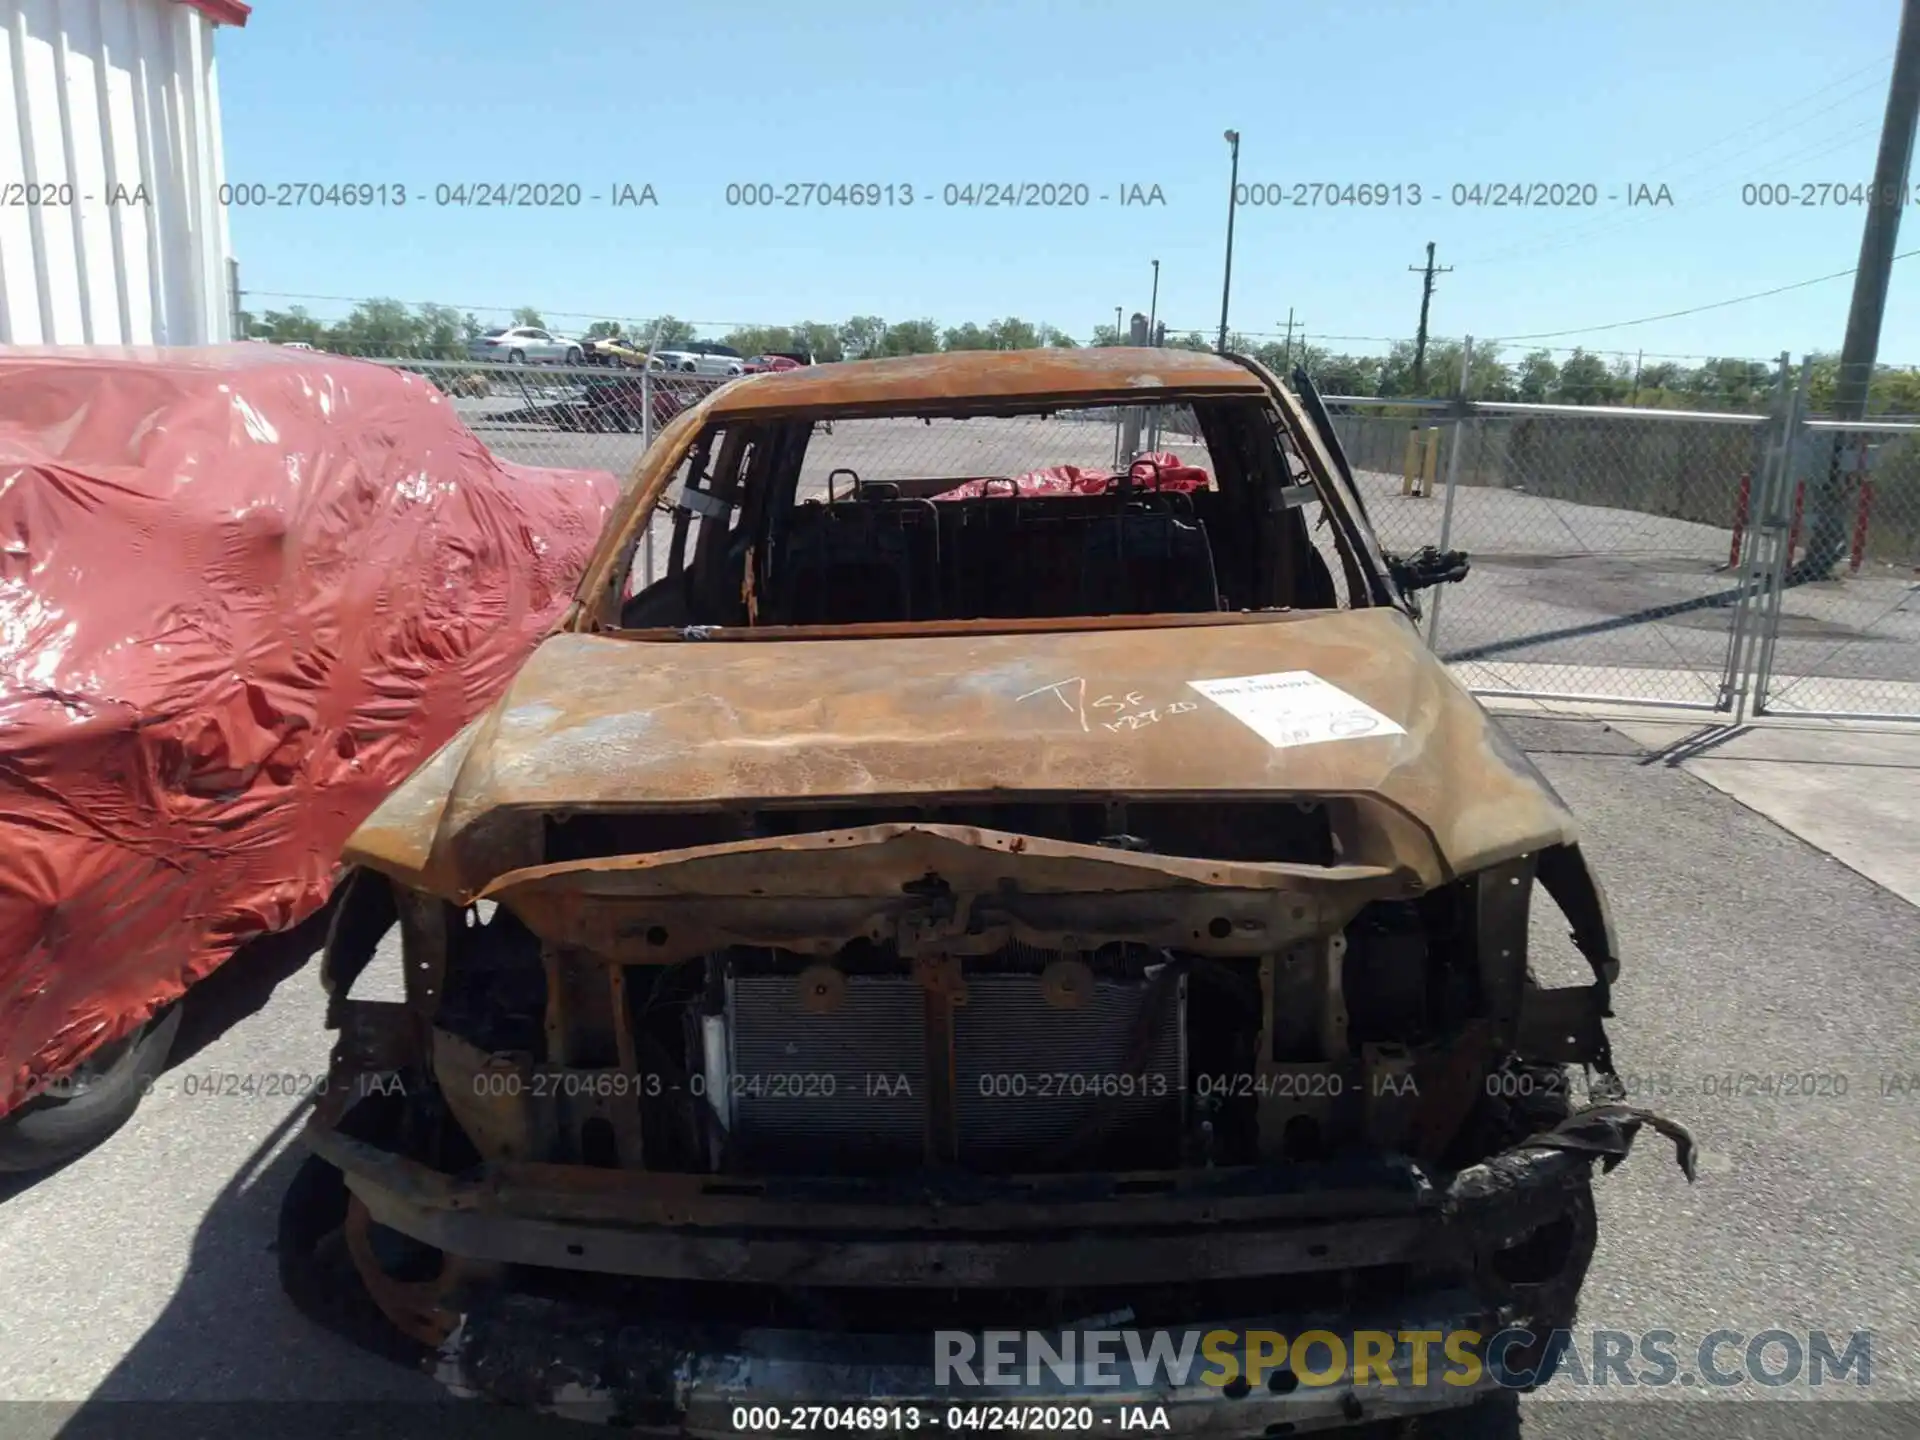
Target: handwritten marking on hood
1116 711
1295 707
1059 690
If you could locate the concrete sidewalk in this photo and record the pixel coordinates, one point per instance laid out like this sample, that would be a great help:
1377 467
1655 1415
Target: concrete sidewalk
1848 788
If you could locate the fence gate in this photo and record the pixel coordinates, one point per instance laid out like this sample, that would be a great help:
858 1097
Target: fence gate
1839 635
1605 559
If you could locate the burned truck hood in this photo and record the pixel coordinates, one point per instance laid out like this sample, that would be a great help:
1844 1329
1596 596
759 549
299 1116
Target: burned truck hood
1331 706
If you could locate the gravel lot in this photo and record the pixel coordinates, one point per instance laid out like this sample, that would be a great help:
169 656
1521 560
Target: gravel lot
142 1273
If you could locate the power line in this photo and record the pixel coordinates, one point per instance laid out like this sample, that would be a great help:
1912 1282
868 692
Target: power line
1693 309
1672 171
1589 230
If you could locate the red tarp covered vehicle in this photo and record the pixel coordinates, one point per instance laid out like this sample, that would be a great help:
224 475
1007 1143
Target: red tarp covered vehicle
243 594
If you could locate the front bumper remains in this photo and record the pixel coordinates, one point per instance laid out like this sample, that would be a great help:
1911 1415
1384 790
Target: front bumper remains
1499 1247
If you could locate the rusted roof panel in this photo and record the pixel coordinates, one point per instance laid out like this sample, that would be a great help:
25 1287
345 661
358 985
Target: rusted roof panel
975 375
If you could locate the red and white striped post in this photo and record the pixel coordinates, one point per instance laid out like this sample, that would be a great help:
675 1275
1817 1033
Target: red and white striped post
1740 505
1863 515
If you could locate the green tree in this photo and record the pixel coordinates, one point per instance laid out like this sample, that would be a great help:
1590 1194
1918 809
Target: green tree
818 339
861 336
1335 374
1491 379
1588 380
1396 372
378 328
911 337
968 337
603 330
1895 392
1013 334
293 324
1538 380
759 339
442 332
1730 384
665 333
527 315
1661 375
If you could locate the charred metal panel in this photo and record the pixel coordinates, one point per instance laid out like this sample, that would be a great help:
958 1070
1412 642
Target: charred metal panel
598 723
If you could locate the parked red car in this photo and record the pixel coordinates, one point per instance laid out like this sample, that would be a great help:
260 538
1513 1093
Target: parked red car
762 364
244 592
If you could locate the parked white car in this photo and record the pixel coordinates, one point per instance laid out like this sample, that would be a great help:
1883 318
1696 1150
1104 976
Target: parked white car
519 344
701 357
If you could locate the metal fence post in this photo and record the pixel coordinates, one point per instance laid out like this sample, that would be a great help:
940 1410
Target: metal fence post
1453 480
1136 416
1743 562
1776 559
646 407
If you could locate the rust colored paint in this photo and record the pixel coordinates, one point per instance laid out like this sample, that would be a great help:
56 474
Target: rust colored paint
596 722
1077 377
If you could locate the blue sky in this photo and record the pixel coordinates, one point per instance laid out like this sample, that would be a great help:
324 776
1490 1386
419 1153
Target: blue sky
1701 95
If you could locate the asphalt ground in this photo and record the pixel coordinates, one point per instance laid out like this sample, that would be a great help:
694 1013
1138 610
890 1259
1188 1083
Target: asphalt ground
138 1293
1553 582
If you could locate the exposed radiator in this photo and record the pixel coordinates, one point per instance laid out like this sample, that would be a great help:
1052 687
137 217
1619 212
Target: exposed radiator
1036 1085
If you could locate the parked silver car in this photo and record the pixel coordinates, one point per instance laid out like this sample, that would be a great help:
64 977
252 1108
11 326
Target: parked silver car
701 357
518 344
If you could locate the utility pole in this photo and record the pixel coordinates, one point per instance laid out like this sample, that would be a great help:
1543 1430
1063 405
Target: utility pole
1827 524
1286 353
1233 198
1118 333
1426 298
1153 305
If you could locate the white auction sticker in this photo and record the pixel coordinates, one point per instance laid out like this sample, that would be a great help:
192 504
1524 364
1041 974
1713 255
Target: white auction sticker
1295 707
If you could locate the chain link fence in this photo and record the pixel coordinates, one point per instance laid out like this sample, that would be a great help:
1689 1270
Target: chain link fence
589 416
1599 541
1716 561
1837 558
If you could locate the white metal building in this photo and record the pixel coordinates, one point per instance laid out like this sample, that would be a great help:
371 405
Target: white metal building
111 227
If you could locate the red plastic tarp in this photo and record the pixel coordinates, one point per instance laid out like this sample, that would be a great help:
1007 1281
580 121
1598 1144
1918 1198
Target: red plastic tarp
244 592
1159 471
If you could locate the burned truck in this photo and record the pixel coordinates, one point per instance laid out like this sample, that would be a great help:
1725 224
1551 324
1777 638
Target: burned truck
951 871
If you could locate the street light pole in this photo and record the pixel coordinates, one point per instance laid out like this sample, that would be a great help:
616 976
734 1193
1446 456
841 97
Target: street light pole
1153 305
1233 196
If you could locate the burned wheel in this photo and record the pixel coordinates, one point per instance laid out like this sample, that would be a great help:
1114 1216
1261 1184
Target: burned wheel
317 1269
346 1272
